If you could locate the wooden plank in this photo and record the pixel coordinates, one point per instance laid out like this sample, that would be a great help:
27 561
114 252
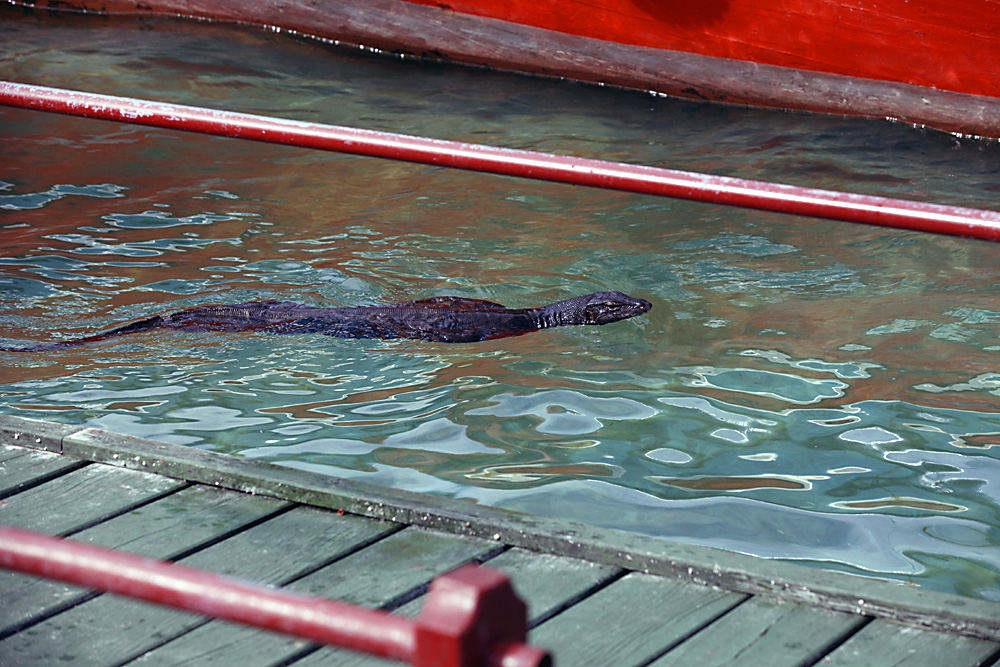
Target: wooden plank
34 433
82 497
764 632
8 452
632 621
111 630
882 643
164 529
727 570
291 545
182 521
545 582
392 567
414 557
22 468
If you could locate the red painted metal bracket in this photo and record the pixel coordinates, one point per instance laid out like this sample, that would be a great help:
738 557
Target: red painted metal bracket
472 616
846 206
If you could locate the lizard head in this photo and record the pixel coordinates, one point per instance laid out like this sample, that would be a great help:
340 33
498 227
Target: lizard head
605 307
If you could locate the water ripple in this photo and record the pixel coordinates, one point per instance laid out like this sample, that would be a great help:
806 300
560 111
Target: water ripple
36 200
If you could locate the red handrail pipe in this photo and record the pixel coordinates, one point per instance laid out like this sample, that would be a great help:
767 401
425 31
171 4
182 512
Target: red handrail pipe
471 616
850 207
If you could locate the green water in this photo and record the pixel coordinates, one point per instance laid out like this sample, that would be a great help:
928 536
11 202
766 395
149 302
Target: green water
805 390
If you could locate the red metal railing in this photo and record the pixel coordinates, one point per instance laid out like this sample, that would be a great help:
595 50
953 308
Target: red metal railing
472 615
956 221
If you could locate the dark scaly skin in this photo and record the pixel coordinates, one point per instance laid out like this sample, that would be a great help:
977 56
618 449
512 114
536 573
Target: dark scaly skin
445 319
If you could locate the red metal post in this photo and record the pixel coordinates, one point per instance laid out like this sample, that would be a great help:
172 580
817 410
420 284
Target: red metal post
320 620
956 221
473 617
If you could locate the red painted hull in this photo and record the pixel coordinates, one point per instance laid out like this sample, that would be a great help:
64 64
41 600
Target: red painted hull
940 44
927 62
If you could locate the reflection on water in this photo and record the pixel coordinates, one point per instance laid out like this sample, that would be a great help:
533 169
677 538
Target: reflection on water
802 389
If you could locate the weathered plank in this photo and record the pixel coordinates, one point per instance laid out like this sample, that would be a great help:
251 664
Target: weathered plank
291 545
163 529
21 468
8 452
82 497
34 433
880 643
545 582
414 557
111 630
393 567
764 632
169 527
632 621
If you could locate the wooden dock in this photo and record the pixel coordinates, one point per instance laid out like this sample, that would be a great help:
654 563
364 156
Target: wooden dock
595 596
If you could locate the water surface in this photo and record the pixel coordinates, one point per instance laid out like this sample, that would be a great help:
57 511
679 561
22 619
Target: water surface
802 389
